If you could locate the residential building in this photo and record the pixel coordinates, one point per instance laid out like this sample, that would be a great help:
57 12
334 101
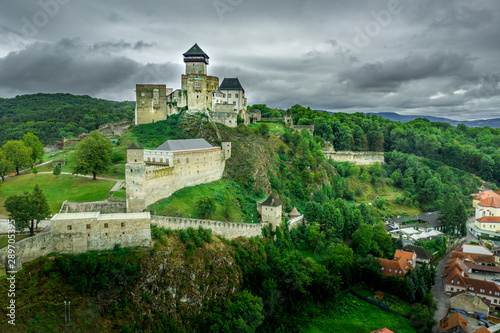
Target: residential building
423 256
453 323
403 262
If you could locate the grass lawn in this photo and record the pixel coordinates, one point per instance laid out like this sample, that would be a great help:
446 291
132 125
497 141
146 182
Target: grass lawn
278 127
4 240
232 204
119 194
353 315
56 189
394 302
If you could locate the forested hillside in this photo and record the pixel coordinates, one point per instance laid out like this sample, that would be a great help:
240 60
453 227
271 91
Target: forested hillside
474 150
54 116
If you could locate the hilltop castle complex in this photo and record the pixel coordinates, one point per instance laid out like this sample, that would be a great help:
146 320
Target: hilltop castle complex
199 92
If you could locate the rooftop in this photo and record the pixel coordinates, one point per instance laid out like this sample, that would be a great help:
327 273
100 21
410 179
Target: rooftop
123 216
195 50
490 202
135 145
181 145
485 194
231 84
489 219
272 201
419 250
453 320
74 216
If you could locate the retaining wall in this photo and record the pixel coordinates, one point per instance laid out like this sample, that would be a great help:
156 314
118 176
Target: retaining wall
104 207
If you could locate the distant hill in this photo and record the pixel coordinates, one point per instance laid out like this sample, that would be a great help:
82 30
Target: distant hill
54 116
495 123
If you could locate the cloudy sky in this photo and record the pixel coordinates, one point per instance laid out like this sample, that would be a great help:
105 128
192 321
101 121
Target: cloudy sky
424 57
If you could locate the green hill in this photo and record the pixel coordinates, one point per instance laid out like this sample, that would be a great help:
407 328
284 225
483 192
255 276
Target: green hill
54 116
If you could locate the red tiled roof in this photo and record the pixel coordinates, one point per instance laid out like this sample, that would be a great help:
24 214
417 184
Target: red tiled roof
485 268
453 320
490 202
473 257
405 254
455 263
489 219
484 195
482 329
392 267
383 330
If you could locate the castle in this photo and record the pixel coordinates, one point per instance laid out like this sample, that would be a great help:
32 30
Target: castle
152 175
199 92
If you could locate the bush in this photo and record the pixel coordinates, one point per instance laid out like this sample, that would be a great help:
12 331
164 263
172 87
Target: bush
117 157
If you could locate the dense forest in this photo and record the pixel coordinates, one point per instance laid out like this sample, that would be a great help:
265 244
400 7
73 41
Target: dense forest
474 150
52 117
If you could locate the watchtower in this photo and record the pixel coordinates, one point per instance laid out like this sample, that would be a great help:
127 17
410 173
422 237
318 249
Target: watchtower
196 60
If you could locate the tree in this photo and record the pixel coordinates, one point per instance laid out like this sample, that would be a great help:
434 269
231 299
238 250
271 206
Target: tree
6 165
57 170
35 171
31 140
362 238
93 155
242 313
17 153
206 206
453 214
263 129
28 208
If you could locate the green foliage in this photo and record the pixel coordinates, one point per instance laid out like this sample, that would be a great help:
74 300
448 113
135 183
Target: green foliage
28 208
96 271
18 154
263 129
31 141
434 245
6 165
93 155
206 206
57 170
52 117
34 170
242 313
153 135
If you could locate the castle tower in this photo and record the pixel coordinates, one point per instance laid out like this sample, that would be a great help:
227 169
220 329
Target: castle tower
135 176
197 84
288 119
226 148
271 211
196 60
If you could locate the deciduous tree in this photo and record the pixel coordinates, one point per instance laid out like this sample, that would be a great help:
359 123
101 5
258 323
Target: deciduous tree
31 140
17 153
6 165
93 155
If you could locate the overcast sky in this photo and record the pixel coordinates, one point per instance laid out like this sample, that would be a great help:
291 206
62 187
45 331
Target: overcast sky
424 57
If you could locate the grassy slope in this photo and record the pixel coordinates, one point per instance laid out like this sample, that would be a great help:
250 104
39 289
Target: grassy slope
352 315
388 192
56 189
183 202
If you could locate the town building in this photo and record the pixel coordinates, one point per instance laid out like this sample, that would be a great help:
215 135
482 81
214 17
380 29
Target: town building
478 197
454 323
403 262
423 256
487 218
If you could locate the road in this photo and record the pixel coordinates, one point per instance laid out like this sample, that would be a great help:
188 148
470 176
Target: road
443 300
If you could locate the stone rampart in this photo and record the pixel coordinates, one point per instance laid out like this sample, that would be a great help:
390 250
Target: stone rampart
230 119
229 230
94 206
296 222
116 128
356 157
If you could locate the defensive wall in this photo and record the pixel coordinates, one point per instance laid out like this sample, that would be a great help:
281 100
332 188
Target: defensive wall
116 128
229 230
230 119
356 157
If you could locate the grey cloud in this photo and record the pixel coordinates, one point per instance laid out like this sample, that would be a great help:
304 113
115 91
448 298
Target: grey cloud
120 46
389 75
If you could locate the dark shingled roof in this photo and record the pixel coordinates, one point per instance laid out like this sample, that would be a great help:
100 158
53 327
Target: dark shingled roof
179 145
135 145
195 51
420 251
231 84
272 201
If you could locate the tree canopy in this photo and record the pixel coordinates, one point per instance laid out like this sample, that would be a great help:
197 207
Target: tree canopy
93 155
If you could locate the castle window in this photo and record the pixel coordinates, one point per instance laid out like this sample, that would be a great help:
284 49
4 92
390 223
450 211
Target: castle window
88 226
105 225
123 233
70 227
234 103
229 95
123 224
235 95
187 159
223 95
88 235
154 160
197 85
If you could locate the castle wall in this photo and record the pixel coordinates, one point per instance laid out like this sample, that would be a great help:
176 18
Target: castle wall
148 184
229 230
356 157
296 222
95 206
176 101
151 103
230 119
116 128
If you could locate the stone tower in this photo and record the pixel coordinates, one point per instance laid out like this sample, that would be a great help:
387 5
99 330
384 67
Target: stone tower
151 103
226 148
135 176
271 211
288 119
196 82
